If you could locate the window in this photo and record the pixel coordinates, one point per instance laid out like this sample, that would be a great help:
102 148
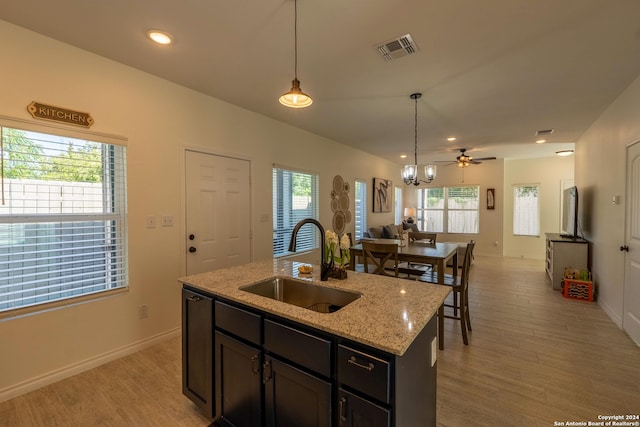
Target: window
398 205
449 209
360 208
295 197
62 218
463 204
526 210
431 209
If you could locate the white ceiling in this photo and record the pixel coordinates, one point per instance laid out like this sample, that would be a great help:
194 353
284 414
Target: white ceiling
491 73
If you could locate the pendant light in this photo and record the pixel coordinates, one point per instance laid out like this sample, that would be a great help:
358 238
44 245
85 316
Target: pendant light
295 98
410 172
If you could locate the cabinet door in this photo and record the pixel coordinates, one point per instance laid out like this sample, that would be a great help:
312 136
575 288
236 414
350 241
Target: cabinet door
197 349
354 411
293 397
238 382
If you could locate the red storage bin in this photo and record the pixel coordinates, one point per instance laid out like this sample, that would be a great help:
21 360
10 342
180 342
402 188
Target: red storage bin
578 289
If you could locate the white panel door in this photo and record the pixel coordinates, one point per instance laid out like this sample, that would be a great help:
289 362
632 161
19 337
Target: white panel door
217 212
631 319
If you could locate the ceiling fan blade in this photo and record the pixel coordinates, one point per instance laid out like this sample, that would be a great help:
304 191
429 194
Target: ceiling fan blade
484 158
449 162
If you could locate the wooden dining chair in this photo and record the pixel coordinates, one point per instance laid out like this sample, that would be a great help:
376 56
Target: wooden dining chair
417 268
422 235
382 258
459 308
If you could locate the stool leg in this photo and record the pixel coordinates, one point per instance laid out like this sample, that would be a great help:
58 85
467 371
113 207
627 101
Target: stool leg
441 327
468 316
463 319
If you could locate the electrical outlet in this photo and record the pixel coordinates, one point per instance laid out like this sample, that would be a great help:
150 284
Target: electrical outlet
143 311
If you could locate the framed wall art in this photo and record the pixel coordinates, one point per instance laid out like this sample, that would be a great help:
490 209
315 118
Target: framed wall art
382 195
491 198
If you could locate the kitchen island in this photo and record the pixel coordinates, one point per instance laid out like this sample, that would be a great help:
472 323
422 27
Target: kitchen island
373 359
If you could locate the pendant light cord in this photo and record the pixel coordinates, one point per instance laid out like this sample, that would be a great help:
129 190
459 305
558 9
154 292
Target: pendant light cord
295 38
415 134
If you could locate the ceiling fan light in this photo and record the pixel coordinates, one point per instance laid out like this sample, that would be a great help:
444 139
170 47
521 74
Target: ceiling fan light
295 98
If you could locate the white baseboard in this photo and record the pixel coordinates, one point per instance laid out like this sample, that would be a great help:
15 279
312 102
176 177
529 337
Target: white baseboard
610 312
84 365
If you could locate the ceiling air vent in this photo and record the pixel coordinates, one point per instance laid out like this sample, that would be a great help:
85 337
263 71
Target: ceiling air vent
544 132
397 48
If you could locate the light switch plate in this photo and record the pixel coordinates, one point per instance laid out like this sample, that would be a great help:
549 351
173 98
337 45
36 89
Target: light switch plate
151 221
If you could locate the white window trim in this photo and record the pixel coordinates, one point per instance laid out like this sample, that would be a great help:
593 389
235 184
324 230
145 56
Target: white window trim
363 210
315 208
513 213
445 209
83 134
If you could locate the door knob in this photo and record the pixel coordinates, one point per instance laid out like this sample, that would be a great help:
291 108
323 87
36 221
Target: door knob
624 248
192 249
191 237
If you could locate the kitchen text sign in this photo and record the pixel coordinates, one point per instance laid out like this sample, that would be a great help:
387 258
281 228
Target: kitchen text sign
57 114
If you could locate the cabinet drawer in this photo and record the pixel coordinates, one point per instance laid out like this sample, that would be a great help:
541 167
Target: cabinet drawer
238 322
352 410
364 372
299 347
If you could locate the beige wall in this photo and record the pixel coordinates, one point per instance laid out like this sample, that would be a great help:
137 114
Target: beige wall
548 173
160 120
601 175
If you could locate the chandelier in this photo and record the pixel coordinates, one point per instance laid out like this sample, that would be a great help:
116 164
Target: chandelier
410 172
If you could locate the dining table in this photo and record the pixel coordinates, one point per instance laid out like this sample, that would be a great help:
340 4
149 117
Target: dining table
437 254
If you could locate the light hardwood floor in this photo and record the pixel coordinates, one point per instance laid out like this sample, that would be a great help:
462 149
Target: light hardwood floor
534 358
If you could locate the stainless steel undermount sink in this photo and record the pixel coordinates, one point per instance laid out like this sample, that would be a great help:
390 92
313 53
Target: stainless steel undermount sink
303 294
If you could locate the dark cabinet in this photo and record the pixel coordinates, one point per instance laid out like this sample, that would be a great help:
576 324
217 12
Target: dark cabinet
294 397
354 411
197 349
247 368
238 382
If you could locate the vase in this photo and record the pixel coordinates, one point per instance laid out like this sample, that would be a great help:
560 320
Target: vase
338 273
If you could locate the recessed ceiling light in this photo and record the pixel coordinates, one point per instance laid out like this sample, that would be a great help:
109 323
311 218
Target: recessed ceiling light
451 138
403 156
541 141
564 152
160 37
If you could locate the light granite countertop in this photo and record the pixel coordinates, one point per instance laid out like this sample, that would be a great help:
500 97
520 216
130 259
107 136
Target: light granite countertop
389 315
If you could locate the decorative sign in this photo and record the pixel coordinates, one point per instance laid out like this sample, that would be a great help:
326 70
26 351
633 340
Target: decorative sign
57 114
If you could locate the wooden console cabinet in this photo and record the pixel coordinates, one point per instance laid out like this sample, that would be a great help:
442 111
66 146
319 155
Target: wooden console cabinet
564 252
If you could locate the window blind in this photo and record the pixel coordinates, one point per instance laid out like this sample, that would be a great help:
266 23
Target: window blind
63 227
463 205
526 210
398 206
360 208
431 209
295 197
449 209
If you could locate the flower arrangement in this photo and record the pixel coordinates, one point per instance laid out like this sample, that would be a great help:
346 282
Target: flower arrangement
337 252
331 243
345 257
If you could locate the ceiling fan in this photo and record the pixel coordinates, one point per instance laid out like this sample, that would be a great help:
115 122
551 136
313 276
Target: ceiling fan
463 160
